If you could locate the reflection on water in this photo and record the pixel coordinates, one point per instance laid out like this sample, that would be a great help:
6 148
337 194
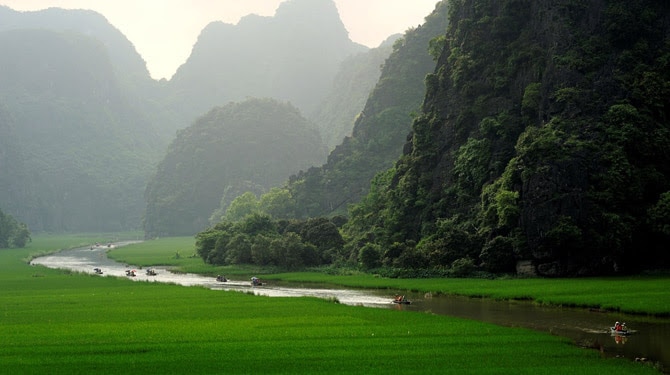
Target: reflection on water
649 336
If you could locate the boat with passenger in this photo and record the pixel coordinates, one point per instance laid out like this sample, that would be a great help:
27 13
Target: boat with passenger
401 300
619 329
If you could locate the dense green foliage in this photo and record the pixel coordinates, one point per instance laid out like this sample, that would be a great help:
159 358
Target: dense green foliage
543 138
12 233
247 146
258 239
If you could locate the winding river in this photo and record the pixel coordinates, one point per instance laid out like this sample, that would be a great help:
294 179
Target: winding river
650 338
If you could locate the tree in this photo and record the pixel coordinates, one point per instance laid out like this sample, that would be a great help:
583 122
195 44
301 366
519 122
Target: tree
288 251
277 203
12 233
659 214
324 234
369 256
245 204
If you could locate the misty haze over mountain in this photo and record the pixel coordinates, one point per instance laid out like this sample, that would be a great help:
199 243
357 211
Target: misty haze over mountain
88 126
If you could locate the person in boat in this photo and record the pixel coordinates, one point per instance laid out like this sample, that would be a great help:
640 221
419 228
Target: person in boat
618 327
399 298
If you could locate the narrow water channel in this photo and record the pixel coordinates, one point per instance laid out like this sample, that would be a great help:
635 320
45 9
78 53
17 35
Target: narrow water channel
649 338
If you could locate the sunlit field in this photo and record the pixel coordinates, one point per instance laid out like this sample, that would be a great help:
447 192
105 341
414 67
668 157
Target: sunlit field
56 322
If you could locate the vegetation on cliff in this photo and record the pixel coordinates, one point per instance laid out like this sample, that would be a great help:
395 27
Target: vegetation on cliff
543 138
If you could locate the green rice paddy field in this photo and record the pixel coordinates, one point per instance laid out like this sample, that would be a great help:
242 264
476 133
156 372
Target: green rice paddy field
55 322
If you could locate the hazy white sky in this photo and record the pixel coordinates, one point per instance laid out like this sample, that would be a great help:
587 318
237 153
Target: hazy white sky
164 31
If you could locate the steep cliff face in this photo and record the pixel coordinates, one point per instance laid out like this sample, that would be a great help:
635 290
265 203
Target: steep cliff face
351 87
83 146
380 130
544 137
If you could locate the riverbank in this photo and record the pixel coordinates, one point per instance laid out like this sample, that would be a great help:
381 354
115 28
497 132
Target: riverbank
113 325
642 295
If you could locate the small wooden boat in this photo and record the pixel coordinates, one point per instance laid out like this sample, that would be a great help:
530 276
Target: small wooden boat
401 300
151 272
130 273
221 279
97 271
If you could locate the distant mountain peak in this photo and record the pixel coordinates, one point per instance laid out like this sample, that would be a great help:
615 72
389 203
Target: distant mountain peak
88 22
292 56
310 13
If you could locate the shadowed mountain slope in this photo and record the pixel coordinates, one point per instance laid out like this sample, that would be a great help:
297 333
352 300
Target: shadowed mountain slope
252 145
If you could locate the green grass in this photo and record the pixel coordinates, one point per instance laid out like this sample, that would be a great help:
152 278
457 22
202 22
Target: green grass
637 295
59 322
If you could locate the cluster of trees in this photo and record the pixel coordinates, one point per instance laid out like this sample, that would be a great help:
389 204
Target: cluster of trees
259 239
12 233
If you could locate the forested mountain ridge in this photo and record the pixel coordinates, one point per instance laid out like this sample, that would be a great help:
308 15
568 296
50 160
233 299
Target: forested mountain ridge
247 146
544 138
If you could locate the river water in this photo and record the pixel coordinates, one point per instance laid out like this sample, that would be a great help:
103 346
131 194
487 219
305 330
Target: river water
649 338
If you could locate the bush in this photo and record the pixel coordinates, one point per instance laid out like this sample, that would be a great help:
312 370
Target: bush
498 255
369 256
462 267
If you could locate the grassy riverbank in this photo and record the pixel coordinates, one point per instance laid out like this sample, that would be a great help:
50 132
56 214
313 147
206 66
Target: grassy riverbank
59 322
637 295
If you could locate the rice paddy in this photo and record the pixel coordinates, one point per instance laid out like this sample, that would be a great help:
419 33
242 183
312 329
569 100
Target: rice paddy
60 322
